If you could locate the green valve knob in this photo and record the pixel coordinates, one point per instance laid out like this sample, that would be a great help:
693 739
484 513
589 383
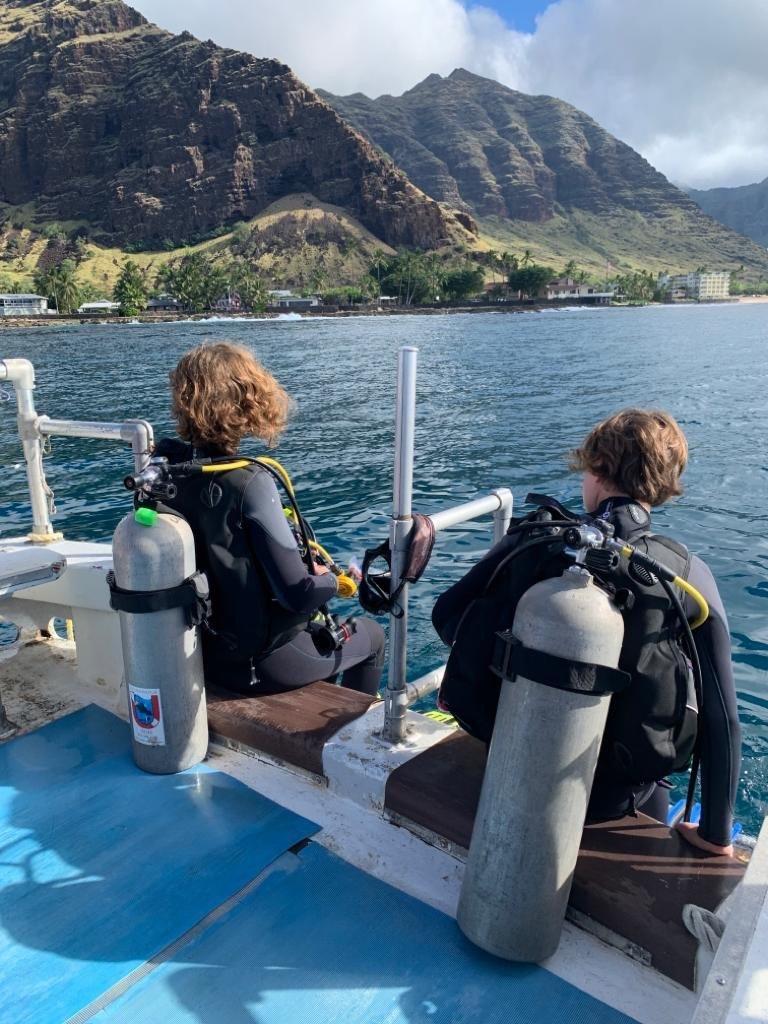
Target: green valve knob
145 516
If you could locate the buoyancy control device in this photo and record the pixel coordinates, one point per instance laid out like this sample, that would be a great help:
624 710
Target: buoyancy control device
652 724
208 493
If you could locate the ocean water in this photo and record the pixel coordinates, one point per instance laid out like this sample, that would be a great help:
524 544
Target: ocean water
501 399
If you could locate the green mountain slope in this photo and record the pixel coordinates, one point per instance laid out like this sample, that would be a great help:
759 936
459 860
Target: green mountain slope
537 173
744 208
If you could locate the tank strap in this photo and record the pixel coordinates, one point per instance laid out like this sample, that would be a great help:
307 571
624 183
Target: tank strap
511 659
193 595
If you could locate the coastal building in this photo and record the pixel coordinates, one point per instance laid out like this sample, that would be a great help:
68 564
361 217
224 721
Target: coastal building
163 304
287 300
23 305
564 289
699 286
102 307
229 303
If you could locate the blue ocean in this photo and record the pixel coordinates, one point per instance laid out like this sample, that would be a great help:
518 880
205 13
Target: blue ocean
501 400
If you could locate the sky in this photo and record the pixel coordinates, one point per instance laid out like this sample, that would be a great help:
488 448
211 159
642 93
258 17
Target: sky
685 82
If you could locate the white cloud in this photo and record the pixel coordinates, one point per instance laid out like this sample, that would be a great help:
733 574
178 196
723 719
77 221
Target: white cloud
685 83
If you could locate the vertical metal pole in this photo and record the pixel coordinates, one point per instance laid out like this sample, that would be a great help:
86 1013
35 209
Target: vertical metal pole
396 699
502 517
22 375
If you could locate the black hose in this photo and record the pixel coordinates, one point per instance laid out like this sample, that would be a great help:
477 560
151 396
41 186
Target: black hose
698 683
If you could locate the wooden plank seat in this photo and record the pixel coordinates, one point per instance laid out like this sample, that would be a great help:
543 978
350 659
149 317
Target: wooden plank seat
292 727
633 876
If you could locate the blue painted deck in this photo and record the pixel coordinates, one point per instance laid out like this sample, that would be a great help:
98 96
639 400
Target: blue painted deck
102 866
319 941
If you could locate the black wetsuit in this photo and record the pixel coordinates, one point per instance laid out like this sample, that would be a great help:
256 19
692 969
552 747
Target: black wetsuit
718 721
272 597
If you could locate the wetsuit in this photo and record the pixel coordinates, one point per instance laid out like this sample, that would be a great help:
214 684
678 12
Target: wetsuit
718 719
263 596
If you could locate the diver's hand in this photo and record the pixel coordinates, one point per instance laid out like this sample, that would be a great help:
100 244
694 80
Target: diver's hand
690 834
320 569
354 572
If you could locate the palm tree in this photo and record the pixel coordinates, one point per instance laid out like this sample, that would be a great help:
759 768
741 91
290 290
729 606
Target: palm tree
526 258
379 262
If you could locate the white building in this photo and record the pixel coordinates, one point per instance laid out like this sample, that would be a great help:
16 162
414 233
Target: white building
101 306
565 288
701 286
287 300
23 305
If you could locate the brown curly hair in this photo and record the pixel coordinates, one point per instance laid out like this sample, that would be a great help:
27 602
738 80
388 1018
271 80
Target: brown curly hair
221 393
641 452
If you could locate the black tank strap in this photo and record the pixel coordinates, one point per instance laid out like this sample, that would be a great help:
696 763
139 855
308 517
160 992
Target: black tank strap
193 595
511 658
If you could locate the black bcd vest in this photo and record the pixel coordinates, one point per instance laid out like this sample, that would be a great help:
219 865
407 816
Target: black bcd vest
247 621
651 727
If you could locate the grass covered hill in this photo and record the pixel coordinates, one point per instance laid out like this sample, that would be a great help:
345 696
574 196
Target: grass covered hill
539 174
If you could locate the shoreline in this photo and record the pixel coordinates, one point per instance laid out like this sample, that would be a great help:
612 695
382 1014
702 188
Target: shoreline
331 312
283 316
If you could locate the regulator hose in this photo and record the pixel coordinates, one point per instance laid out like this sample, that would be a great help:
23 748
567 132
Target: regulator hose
666 575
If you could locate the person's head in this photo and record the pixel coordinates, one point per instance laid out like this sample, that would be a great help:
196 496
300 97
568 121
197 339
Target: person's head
221 393
636 452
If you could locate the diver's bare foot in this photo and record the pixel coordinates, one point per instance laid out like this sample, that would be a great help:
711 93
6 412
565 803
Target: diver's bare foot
690 834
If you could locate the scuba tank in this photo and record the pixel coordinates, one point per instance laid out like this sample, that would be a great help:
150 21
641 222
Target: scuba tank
558 668
161 601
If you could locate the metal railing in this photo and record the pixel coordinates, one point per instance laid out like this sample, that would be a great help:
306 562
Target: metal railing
399 694
33 429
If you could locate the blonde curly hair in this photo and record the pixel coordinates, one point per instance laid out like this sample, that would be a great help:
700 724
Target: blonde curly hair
642 452
221 393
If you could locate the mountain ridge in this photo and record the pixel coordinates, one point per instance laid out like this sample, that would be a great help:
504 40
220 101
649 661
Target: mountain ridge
535 163
741 207
108 119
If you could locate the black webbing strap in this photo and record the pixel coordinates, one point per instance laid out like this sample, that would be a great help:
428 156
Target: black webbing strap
511 659
192 595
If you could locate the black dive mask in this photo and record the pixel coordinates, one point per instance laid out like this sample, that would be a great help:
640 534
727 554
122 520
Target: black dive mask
375 589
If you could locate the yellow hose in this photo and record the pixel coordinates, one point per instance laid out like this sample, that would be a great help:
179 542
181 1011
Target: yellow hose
698 598
280 470
225 467
346 586
701 601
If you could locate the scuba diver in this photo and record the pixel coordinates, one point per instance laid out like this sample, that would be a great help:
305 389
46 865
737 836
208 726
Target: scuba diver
680 705
270 580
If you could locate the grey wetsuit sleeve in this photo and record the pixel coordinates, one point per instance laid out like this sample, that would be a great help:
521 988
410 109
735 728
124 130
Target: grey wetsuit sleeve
275 549
719 717
450 606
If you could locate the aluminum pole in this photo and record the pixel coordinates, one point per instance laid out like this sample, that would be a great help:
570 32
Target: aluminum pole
396 698
137 433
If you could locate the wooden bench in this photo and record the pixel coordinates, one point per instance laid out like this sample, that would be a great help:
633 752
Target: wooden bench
633 876
292 727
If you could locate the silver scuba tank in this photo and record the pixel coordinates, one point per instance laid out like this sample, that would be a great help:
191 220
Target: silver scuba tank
154 553
541 765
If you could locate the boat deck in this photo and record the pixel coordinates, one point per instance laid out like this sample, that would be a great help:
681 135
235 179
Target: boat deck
633 876
126 896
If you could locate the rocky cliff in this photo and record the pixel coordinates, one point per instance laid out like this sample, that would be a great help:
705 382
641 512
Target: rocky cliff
541 169
150 137
744 208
